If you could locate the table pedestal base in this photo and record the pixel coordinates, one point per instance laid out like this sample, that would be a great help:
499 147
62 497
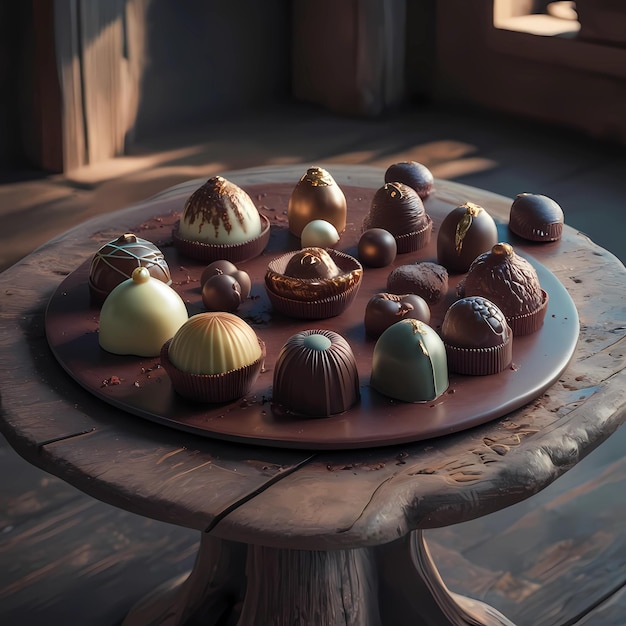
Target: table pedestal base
232 584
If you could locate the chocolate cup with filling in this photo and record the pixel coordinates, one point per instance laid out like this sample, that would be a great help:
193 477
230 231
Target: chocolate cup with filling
478 339
536 218
315 375
313 274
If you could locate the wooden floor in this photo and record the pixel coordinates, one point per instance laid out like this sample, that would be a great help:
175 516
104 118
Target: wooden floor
557 559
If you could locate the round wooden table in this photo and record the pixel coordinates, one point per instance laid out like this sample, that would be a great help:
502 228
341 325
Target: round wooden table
293 535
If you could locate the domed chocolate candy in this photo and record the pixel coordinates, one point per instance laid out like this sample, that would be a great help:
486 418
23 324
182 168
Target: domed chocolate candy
377 247
477 337
385 309
316 374
409 362
397 208
115 261
312 263
140 315
511 283
316 197
467 231
220 221
313 283
213 357
536 217
426 279
413 174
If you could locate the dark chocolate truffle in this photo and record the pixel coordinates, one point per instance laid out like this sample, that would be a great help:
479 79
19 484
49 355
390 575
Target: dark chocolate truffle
315 375
222 266
467 231
536 217
385 309
312 263
221 293
316 197
511 283
377 247
477 337
114 263
413 174
425 279
409 362
396 207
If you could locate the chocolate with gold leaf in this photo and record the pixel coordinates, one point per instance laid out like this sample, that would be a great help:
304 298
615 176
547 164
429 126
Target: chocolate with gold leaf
467 231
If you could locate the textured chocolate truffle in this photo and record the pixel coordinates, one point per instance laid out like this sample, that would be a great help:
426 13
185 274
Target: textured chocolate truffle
316 197
397 208
467 231
213 357
409 363
377 247
511 283
385 309
413 174
477 337
140 315
316 374
536 217
115 261
425 279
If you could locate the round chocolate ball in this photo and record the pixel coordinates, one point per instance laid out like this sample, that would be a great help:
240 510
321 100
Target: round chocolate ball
217 267
221 293
536 217
245 283
385 309
413 174
377 247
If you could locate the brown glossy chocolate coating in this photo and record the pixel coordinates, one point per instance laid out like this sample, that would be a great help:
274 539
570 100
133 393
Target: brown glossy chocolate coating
426 279
411 173
116 260
536 217
467 231
505 278
377 247
474 322
316 197
312 263
397 208
223 266
315 375
385 309
221 293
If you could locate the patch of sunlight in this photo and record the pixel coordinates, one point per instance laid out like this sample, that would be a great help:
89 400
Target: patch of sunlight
462 167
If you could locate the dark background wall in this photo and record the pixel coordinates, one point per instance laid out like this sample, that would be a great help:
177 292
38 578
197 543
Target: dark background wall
205 59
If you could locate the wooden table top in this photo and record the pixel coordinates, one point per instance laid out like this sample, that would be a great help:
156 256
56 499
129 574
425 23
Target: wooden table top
302 498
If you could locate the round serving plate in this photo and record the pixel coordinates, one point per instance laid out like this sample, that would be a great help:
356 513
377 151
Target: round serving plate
141 387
